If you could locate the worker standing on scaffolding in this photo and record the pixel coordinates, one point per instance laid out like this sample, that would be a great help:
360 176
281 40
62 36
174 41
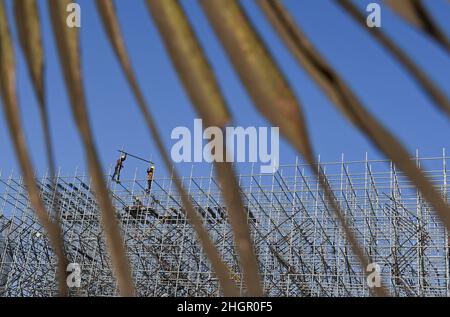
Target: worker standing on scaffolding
150 172
118 168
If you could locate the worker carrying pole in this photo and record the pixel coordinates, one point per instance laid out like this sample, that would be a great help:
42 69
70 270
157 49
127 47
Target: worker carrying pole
150 173
119 165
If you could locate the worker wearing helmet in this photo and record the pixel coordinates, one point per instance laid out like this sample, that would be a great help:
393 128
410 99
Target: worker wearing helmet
118 168
150 173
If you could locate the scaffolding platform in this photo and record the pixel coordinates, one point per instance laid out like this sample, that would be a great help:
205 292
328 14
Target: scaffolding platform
300 246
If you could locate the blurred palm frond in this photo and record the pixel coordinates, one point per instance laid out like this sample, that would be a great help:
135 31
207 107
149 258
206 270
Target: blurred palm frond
347 102
270 92
67 40
415 12
12 113
109 18
201 85
435 94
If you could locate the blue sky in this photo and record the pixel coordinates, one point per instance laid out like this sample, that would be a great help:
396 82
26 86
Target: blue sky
383 86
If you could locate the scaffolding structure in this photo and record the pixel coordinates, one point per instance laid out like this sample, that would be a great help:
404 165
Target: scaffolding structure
300 246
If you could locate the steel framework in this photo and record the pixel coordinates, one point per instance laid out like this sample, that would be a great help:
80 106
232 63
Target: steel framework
300 246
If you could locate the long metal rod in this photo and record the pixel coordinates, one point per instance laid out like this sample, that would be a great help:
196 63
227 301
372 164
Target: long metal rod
135 156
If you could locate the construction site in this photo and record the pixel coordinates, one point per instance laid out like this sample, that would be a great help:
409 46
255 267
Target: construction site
300 246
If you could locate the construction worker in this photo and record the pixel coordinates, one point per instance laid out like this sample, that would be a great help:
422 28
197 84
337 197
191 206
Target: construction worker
138 205
118 168
150 172
136 208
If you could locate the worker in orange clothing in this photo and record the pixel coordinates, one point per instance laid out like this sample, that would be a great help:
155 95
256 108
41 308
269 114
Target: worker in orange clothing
150 173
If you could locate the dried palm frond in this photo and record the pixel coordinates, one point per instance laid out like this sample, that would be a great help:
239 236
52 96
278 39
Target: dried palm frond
271 93
347 102
107 12
435 94
200 83
12 113
415 12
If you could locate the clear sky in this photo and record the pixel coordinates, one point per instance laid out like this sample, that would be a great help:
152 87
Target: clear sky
384 87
